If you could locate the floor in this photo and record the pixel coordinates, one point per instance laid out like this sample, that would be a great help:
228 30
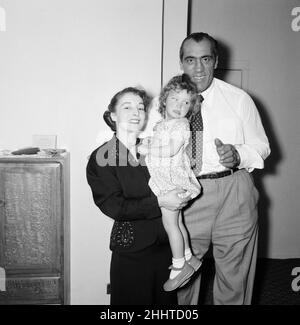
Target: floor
273 282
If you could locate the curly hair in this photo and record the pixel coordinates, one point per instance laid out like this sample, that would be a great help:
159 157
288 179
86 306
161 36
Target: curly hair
177 83
113 103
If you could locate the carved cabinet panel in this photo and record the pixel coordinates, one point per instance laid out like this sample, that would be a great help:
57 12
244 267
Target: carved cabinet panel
34 230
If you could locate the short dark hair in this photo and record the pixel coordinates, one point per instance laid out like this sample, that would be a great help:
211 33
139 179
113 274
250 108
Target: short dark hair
198 37
113 103
177 83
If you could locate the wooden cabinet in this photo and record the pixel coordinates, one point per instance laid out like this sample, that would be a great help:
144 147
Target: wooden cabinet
34 229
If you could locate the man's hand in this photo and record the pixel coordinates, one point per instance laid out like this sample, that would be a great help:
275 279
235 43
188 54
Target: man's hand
229 156
172 201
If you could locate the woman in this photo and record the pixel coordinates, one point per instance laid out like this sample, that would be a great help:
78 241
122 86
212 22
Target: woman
119 179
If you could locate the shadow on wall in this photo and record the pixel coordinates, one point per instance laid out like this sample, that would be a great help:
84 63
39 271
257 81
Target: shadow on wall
223 61
270 168
271 162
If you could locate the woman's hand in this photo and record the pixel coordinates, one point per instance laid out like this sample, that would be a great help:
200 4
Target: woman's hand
172 201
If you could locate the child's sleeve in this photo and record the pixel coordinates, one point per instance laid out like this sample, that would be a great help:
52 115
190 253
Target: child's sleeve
181 131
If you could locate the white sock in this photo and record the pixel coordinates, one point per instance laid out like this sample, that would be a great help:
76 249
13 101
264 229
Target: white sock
187 254
178 263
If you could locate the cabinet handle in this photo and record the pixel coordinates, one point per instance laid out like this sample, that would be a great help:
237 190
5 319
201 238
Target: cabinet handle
2 203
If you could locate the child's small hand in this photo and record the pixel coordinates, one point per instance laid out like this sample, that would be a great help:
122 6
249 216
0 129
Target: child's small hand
147 141
143 149
185 195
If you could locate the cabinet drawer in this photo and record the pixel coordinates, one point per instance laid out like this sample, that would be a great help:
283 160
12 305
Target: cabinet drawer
33 290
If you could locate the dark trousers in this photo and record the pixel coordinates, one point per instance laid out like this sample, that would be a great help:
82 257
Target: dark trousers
137 278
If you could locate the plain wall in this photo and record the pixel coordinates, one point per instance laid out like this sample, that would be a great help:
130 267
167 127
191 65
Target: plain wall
60 64
175 30
257 38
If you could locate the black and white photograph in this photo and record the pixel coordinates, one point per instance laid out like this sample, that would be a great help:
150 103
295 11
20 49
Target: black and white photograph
149 155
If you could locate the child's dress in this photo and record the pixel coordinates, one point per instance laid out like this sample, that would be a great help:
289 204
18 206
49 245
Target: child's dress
168 173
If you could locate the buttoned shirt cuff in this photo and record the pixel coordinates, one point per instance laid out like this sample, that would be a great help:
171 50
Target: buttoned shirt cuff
248 159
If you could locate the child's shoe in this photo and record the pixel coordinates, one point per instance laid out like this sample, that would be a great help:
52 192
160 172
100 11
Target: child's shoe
181 279
195 263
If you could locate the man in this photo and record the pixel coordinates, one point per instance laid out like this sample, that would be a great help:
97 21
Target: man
234 144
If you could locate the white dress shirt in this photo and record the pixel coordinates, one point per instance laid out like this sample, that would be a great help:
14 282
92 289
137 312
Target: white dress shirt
229 114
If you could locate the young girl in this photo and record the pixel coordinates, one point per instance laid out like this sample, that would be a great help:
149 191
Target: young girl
169 168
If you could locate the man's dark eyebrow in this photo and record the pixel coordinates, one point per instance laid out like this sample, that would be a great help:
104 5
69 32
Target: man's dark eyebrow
201 57
189 57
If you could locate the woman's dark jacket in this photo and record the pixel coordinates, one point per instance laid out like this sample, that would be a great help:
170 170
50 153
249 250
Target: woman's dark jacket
120 189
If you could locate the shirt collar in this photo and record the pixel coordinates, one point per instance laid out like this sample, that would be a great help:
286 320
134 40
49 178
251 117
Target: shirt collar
207 91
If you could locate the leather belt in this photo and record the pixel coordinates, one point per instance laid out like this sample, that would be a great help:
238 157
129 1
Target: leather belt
219 174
